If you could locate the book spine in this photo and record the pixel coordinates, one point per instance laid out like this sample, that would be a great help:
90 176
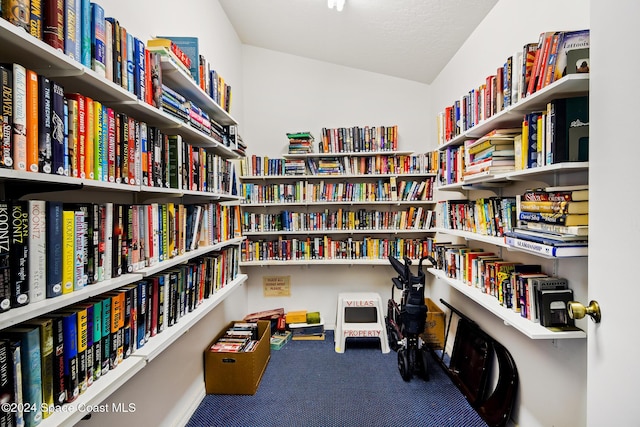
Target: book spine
97 339
37 251
98 47
108 54
130 63
57 128
104 154
44 125
98 146
46 361
32 375
140 70
19 129
70 331
53 31
58 364
117 51
71 43
89 155
72 137
111 145
6 116
17 12
5 257
79 277
84 32
32 130
106 335
54 249
82 136
81 317
19 253
68 251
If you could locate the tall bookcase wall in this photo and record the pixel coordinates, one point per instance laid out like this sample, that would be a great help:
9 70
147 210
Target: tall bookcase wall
204 267
496 191
336 208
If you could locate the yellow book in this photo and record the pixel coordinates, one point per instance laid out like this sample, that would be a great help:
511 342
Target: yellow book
171 224
68 251
299 316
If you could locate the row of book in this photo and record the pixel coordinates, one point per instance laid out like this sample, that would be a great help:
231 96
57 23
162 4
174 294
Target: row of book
491 216
553 221
326 248
80 29
184 53
239 337
523 288
375 164
45 130
49 361
50 248
535 66
559 133
305 191
413 218
358 139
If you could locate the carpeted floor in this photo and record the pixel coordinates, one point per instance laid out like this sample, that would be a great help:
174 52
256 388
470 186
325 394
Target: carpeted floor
308 384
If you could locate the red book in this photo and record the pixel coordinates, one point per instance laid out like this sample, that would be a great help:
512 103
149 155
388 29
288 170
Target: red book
544 59
89 139
111 145
53 31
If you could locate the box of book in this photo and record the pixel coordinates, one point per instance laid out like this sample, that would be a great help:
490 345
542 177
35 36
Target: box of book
279 339
433 334
229 372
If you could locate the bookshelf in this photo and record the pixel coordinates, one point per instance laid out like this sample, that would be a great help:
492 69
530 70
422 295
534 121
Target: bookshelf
17 46
509 183
346 217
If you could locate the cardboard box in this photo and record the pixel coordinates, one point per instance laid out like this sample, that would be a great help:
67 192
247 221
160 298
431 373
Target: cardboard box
433 334
237 373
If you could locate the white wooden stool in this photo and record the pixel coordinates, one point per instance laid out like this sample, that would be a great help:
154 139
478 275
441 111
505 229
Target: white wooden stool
360 315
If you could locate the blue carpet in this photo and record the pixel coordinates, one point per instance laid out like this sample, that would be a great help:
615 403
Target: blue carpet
308 384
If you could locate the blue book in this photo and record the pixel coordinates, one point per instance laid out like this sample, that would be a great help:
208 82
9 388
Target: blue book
106 334
44 125
130 63
140 68
54 249
96 337
70 335
72 33
7 388
57 128
31 362
98 39
189 45
85 32
141 315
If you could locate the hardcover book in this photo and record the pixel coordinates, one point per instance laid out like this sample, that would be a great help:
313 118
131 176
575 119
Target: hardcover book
53 227
53 31
19 129
32 113
5 256
19 253
572 40
44 125
45 325
37 251
57 129
6 115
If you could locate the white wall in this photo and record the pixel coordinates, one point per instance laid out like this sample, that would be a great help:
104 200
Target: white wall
552 373
286 93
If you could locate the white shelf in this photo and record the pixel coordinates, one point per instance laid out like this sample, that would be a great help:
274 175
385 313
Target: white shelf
337 176
311 262
498 241
525 326
571 85
71 413
35 309
157 344
184 84
342 203
336 231
181 259
348 154
543 173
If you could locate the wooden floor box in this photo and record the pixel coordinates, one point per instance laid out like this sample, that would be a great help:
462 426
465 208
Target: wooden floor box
237 373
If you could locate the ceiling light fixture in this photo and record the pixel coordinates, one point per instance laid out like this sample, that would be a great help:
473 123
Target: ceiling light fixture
338 4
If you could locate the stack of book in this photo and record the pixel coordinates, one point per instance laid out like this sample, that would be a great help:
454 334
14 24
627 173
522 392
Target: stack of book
493 153
241 337
305 326
553 221
300 142
294 167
